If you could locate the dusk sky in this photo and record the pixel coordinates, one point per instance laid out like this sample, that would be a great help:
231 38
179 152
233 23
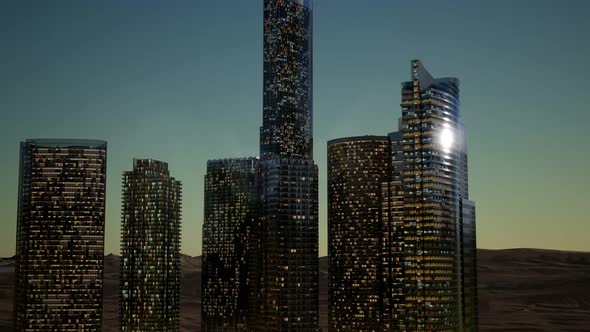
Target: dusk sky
181 81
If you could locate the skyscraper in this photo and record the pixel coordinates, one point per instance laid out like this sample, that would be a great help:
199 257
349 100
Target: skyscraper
430 127
230 214
288 176
60 235
427 257
286 130
150 248
358 172
282 235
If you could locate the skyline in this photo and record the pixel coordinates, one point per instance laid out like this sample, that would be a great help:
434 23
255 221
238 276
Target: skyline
375 88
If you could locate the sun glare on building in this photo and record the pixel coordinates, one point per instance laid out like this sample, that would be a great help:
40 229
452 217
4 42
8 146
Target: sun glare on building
446 138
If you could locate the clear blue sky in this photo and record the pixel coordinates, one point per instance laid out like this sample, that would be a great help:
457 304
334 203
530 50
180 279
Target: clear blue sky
181 81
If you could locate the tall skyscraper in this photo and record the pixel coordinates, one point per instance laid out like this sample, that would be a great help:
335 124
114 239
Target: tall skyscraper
60 235
289 177
150 248
427 258
430 180
286 130
282 238
358 172
230 214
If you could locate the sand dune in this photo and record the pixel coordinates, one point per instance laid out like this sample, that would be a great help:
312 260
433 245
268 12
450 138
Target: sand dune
520 290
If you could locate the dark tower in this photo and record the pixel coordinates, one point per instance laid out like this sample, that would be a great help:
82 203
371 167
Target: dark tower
288 175
286 130
230 214
392 239
60 235
468 244
150 248
281 237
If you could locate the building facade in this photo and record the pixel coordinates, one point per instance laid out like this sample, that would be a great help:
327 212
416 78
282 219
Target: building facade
430 181
358 171
469 296
60 235
286 130
289 236
392 239
230 214
150 248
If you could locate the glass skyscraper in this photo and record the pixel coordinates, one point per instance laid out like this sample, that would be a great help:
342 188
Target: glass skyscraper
289 236
282 238
286 130
430 180
60 235
427 257
288 176
230 214
150 248
468 244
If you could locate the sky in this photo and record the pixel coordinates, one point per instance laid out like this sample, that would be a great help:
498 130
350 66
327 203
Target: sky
181 81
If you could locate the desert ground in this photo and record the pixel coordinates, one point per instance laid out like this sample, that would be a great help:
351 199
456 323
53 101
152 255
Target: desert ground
520 290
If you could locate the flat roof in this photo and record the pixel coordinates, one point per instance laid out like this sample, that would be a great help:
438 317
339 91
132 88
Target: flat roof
64 143
358 138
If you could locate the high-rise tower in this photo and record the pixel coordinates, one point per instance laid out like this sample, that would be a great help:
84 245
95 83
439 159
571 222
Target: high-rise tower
281 237
150 248
427 246
289 238
60 235
430 180
358 173
288 174
230 214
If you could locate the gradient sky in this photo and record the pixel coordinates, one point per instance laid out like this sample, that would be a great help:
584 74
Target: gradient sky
181 81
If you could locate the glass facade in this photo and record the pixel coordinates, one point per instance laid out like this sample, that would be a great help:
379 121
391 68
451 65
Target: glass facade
289 219
470 308
358 170
286 130
430 120
392 239
288 292
150 248
230 214
469 296
60 235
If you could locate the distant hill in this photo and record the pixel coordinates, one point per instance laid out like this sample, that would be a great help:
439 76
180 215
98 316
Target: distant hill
520 290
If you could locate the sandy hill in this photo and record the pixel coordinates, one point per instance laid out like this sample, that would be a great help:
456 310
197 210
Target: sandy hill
520 290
